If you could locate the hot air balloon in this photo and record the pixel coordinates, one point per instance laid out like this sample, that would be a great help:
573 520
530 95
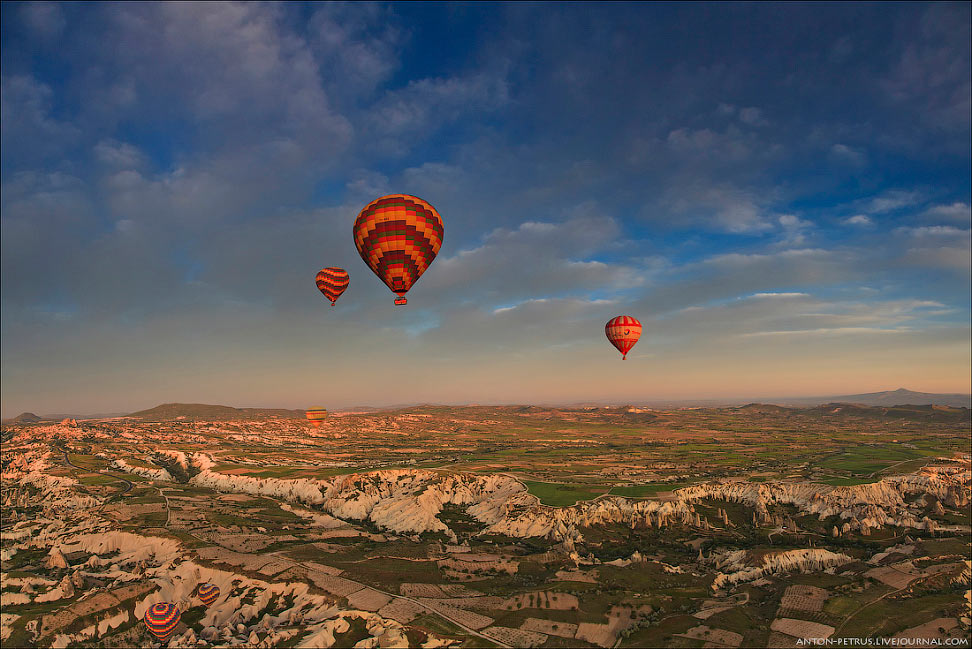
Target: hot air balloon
207 593
398 236
332 282
161 619
623 332
316 415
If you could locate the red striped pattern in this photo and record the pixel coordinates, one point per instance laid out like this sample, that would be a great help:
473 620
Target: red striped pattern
623 332
208 593
316 415
162 619
398 236
332 282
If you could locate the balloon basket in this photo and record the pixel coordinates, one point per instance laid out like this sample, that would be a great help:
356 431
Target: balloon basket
400 301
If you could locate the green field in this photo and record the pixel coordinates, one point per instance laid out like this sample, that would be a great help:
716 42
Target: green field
646 490
561 494
847 482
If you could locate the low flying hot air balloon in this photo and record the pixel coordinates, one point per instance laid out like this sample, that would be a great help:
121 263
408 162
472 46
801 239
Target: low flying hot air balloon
161 619
398 236
316 415
332 282
207 593
623 332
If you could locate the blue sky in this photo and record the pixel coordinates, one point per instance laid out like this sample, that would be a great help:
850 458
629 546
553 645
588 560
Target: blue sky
781 193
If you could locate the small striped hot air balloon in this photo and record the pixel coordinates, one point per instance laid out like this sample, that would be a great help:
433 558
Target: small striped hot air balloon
316 415
207 593
623 332
161 619
332 282
398 236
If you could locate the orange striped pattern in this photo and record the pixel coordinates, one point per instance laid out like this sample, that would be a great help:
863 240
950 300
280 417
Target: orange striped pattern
316 415
623 332
208 593
398 236
332 282
162 619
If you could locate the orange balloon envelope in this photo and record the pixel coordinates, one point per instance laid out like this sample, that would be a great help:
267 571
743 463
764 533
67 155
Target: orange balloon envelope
316 415
332 282
623 332
162 619
398 236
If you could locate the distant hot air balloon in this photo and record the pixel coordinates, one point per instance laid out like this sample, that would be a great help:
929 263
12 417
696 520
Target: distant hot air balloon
332 282
623 332
398 236
161 619
316 415
208 593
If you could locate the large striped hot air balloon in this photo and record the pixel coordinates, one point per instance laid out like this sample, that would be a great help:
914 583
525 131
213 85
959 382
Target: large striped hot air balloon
398 236
207 593
316 415
332 282
623 332
161 619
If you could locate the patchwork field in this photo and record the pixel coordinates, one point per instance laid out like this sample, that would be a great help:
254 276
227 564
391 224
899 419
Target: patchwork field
493 526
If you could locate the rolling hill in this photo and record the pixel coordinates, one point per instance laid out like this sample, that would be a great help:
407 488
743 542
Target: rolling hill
168 411
899 397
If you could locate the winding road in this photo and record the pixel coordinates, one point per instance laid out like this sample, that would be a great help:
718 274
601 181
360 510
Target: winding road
128 485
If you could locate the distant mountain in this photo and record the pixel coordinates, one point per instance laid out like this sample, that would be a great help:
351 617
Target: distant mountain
899 397
24 418
168 411
926 412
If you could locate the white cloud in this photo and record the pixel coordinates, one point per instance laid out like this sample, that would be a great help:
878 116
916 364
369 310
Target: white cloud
792 222
752 116
860 220
931 77
26 123
957 211
890 201
425 105
46 19
779 295
722 207
533 261
826 331
925 231
119 155
847 154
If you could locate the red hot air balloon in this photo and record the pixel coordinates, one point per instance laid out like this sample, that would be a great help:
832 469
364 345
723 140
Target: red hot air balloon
623 332
332 282
398 236
162 619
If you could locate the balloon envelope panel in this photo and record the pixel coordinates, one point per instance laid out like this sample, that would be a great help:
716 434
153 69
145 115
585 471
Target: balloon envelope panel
332 282
623 332
161 619
208 593
316 415
398 236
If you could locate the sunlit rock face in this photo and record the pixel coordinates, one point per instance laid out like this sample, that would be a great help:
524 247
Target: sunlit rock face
805 560
409 501
864 506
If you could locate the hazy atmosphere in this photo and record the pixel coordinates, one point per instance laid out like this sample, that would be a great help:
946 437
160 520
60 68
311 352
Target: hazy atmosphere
174 175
